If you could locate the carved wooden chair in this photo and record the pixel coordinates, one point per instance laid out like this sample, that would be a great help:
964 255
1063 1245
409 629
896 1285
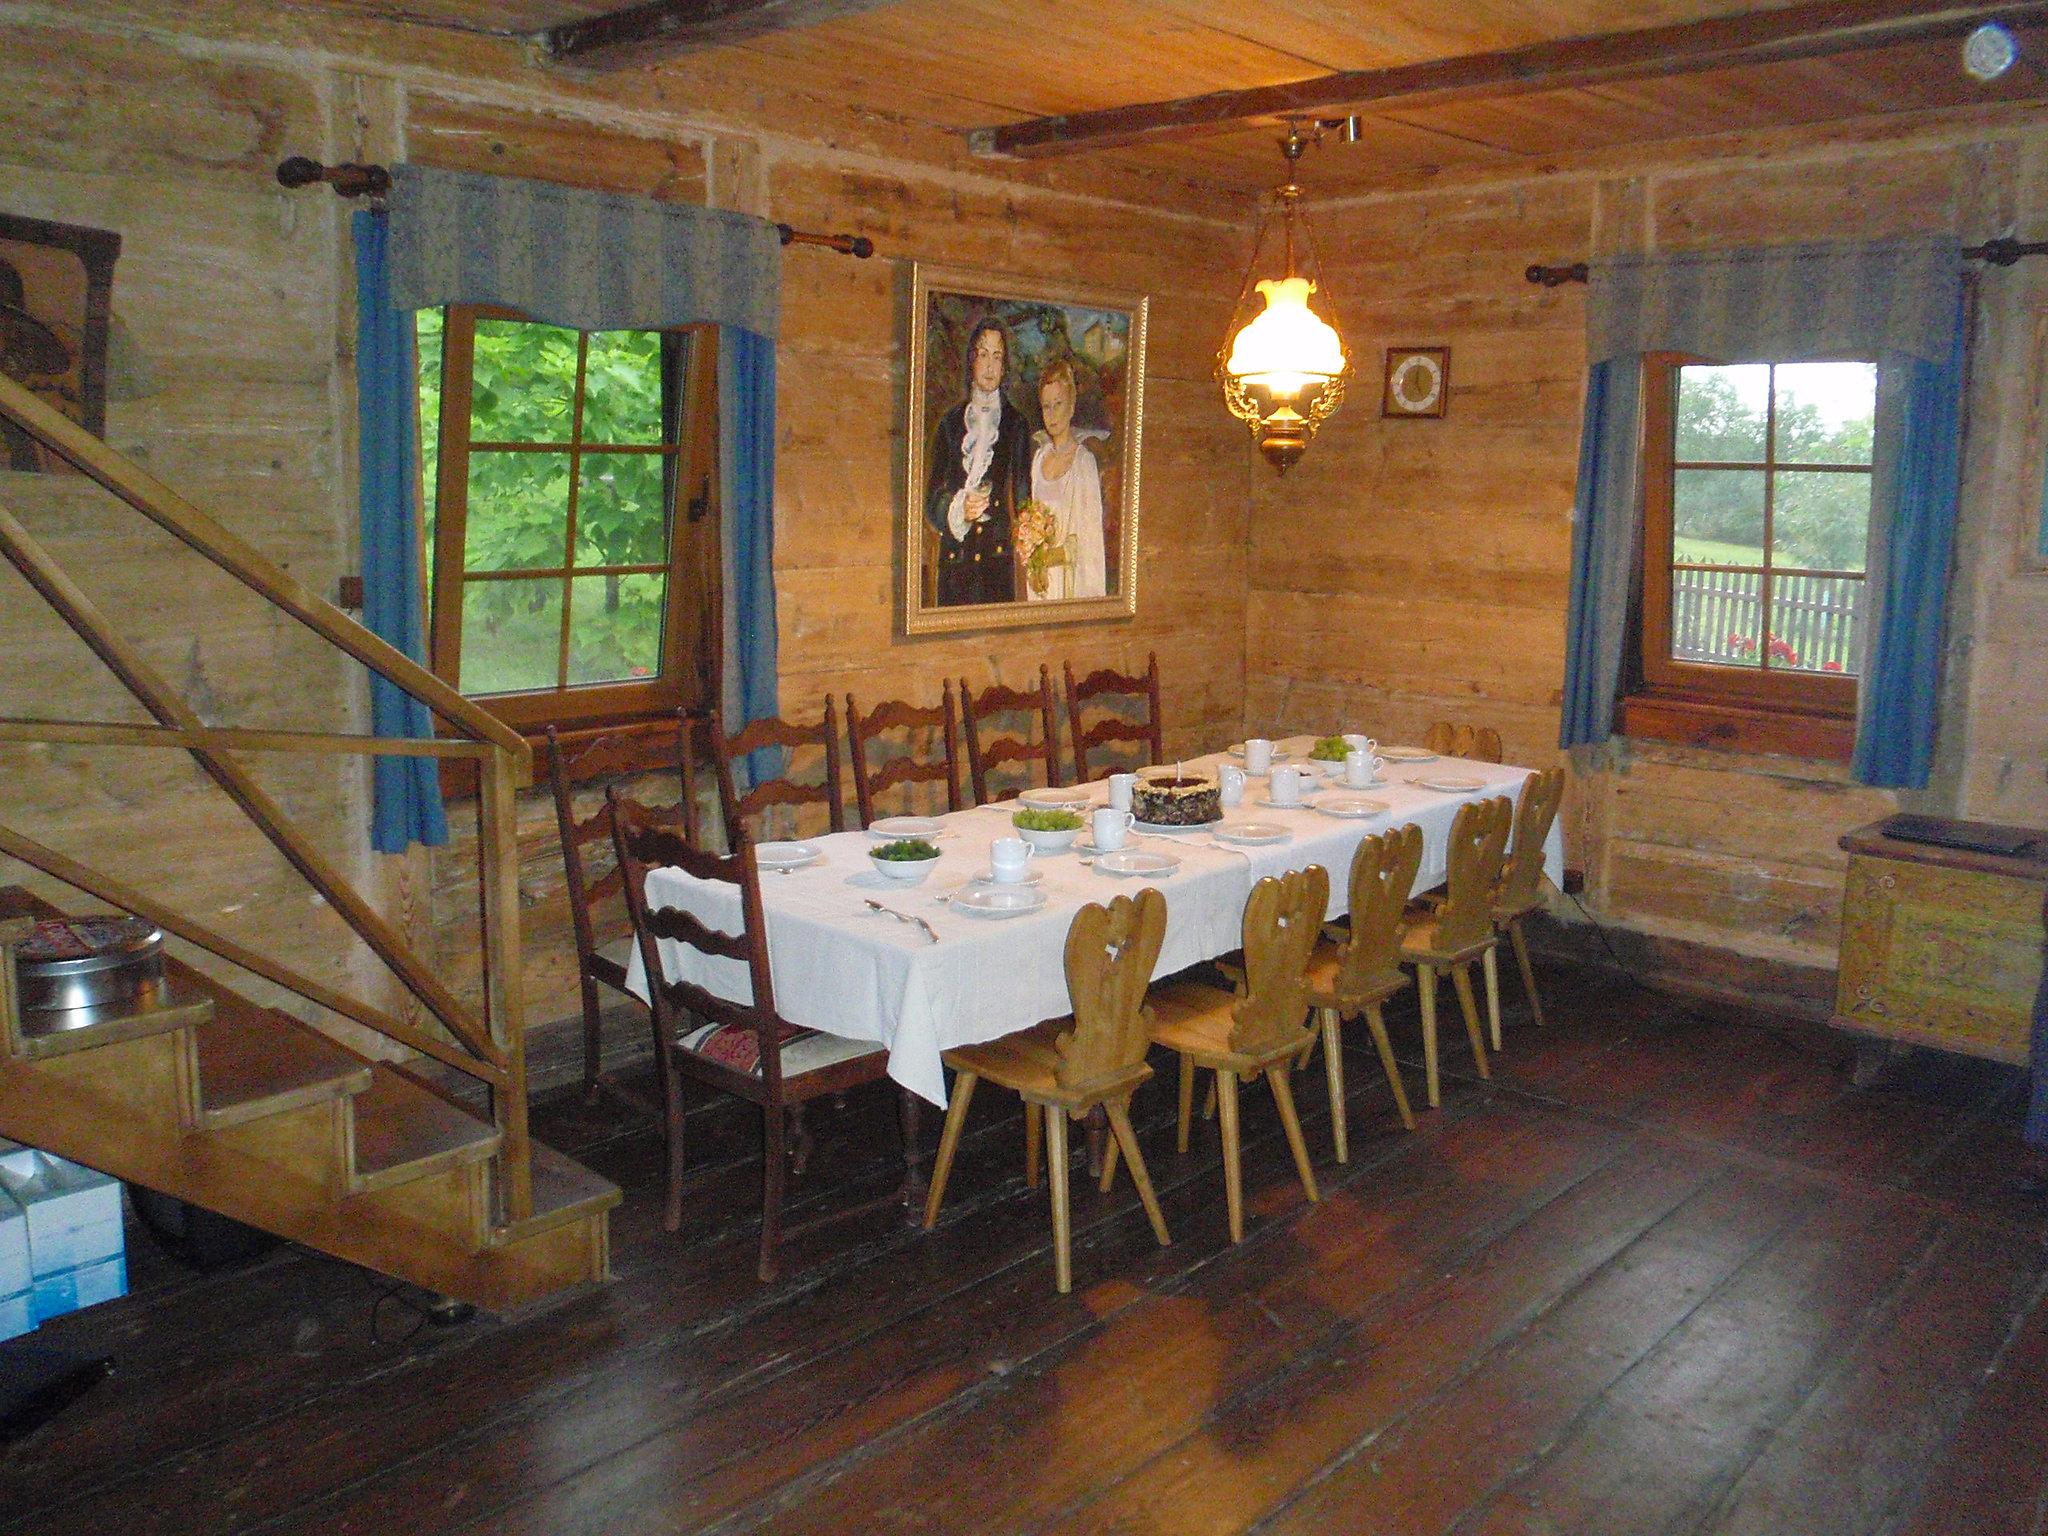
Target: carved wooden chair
748 812
976 709
1065 1067
936 722
1358 974
1453 934
1479 743
1113 726
1257 1031
1521 881
745 1049
599 963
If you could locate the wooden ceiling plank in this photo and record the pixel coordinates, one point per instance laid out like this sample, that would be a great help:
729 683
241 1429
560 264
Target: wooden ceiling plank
656 30
1811 29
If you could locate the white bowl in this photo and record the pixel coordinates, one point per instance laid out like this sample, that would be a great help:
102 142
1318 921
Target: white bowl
1049 842
908 871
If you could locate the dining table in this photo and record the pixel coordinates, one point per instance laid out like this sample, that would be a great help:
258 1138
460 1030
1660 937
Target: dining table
856 954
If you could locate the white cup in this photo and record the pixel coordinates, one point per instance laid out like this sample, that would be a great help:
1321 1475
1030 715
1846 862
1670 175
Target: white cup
1007 857
1355 742
1120 785
1108 826
1360 768
1232 779
1258 755
1285 787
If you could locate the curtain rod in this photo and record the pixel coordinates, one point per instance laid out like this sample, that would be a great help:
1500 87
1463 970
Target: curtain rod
2001 252
353 180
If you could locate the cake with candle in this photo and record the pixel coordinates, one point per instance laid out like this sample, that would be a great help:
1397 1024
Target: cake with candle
1170 797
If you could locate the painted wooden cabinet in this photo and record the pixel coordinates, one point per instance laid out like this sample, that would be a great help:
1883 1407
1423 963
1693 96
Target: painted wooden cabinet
1940 946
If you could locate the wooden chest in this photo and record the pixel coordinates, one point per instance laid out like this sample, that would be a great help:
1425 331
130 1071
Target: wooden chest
1941 946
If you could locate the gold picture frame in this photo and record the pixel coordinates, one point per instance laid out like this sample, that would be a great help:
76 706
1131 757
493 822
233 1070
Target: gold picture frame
1417 385
1021 500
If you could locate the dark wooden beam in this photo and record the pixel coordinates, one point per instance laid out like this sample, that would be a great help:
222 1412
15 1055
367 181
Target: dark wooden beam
661 29
1801 31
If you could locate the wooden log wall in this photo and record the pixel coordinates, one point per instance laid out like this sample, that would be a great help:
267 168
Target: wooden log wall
1410 570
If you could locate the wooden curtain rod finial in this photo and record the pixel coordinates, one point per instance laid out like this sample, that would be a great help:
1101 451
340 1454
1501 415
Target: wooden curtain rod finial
1555 277
349 180
846 245
2001 252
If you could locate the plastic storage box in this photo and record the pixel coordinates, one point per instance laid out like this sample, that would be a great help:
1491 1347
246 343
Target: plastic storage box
17 1314
76 1250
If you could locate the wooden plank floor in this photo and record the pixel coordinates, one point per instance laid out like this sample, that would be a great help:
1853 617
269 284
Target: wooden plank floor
1667 1272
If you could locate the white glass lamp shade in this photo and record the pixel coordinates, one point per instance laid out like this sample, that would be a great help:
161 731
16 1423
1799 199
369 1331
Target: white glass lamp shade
1287 346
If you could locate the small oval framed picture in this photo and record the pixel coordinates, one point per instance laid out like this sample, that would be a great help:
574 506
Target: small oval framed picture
1418 381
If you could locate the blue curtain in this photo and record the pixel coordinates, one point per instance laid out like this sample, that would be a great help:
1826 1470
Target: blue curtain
1916 477
1606 521
406 790
746 490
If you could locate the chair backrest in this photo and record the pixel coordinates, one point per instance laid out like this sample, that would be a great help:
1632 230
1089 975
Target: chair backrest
1110 955
935 721
1479 743
1113 727
1535 809
1282 921
1382 876
645 840
591 882
1479 841
975 710
776 735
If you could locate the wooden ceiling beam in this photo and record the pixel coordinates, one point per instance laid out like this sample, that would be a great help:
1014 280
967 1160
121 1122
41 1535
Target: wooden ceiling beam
1810 29
663 29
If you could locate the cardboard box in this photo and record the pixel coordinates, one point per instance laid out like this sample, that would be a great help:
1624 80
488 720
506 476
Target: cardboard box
15 1273
17 1315
69 1289
74 1213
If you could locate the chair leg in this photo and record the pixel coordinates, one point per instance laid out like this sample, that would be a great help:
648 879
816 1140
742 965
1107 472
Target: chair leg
1283 1094
1300 1063
672 1117
1378 1024
1187 1097
1521 942
1461 978
1126 1138
949 1143
1109 1157
1233 1174
1425 988
800 1154
1209 1103
1062 1229
774 1168
591 1042
1489 963
1333 1064
1033 1130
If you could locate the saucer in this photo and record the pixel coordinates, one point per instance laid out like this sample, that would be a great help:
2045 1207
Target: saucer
1056 799
997 900
1407 755
1137 861
1253 834
1452 784
1351 806
892 827
987 876
1305 803
785 855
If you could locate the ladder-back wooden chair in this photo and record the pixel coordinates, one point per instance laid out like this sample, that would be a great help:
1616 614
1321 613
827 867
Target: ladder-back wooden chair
1112 726
745 1049
747 812
592 884
1478 743
1521 881
1359 974
1257 1031
1459 930
936 722
976 710
1064 1068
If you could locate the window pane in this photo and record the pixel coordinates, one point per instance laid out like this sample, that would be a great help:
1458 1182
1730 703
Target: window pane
1722 412
511 635
622 387
525 382
619 518
1717 516
1826 412
518 511
427 327
615 628
1820 521
1716 616
1813 623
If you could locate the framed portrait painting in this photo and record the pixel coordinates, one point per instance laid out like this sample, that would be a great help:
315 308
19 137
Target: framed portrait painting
1027 404
56 302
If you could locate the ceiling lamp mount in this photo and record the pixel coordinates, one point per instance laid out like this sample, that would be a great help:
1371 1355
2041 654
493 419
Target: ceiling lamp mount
1283 370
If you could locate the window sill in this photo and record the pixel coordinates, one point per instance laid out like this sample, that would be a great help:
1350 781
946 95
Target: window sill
1716 723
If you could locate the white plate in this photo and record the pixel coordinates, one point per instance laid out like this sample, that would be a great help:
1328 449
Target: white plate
1453 784
997 900
1407 755
1254 834
1305 803
1350 806
1137 861
1057 799
1164 826
890 828
785 855
988 877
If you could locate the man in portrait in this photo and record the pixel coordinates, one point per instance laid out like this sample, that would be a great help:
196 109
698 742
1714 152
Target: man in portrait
980 473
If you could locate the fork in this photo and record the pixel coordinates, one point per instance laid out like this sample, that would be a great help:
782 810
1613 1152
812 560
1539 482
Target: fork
904 917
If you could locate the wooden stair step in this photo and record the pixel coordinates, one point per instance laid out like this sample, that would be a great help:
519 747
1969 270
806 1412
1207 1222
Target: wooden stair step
255 1061
404 1131
563 1191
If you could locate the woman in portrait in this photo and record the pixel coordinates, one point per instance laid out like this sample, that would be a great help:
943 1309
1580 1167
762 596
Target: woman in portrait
1067 482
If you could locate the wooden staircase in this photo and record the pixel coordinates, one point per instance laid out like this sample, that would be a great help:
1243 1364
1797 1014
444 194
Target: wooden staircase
201 1094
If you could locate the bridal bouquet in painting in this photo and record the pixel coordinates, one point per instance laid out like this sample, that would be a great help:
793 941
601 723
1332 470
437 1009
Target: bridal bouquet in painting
1039 544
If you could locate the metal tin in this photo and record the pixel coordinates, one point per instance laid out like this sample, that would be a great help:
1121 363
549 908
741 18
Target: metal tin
88 962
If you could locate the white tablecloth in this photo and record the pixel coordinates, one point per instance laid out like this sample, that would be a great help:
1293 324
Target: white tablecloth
844 969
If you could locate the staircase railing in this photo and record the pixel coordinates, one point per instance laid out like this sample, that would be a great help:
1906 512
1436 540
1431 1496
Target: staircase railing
490 1049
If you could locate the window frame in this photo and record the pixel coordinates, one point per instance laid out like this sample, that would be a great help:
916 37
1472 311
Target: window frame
1811 714
684 673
